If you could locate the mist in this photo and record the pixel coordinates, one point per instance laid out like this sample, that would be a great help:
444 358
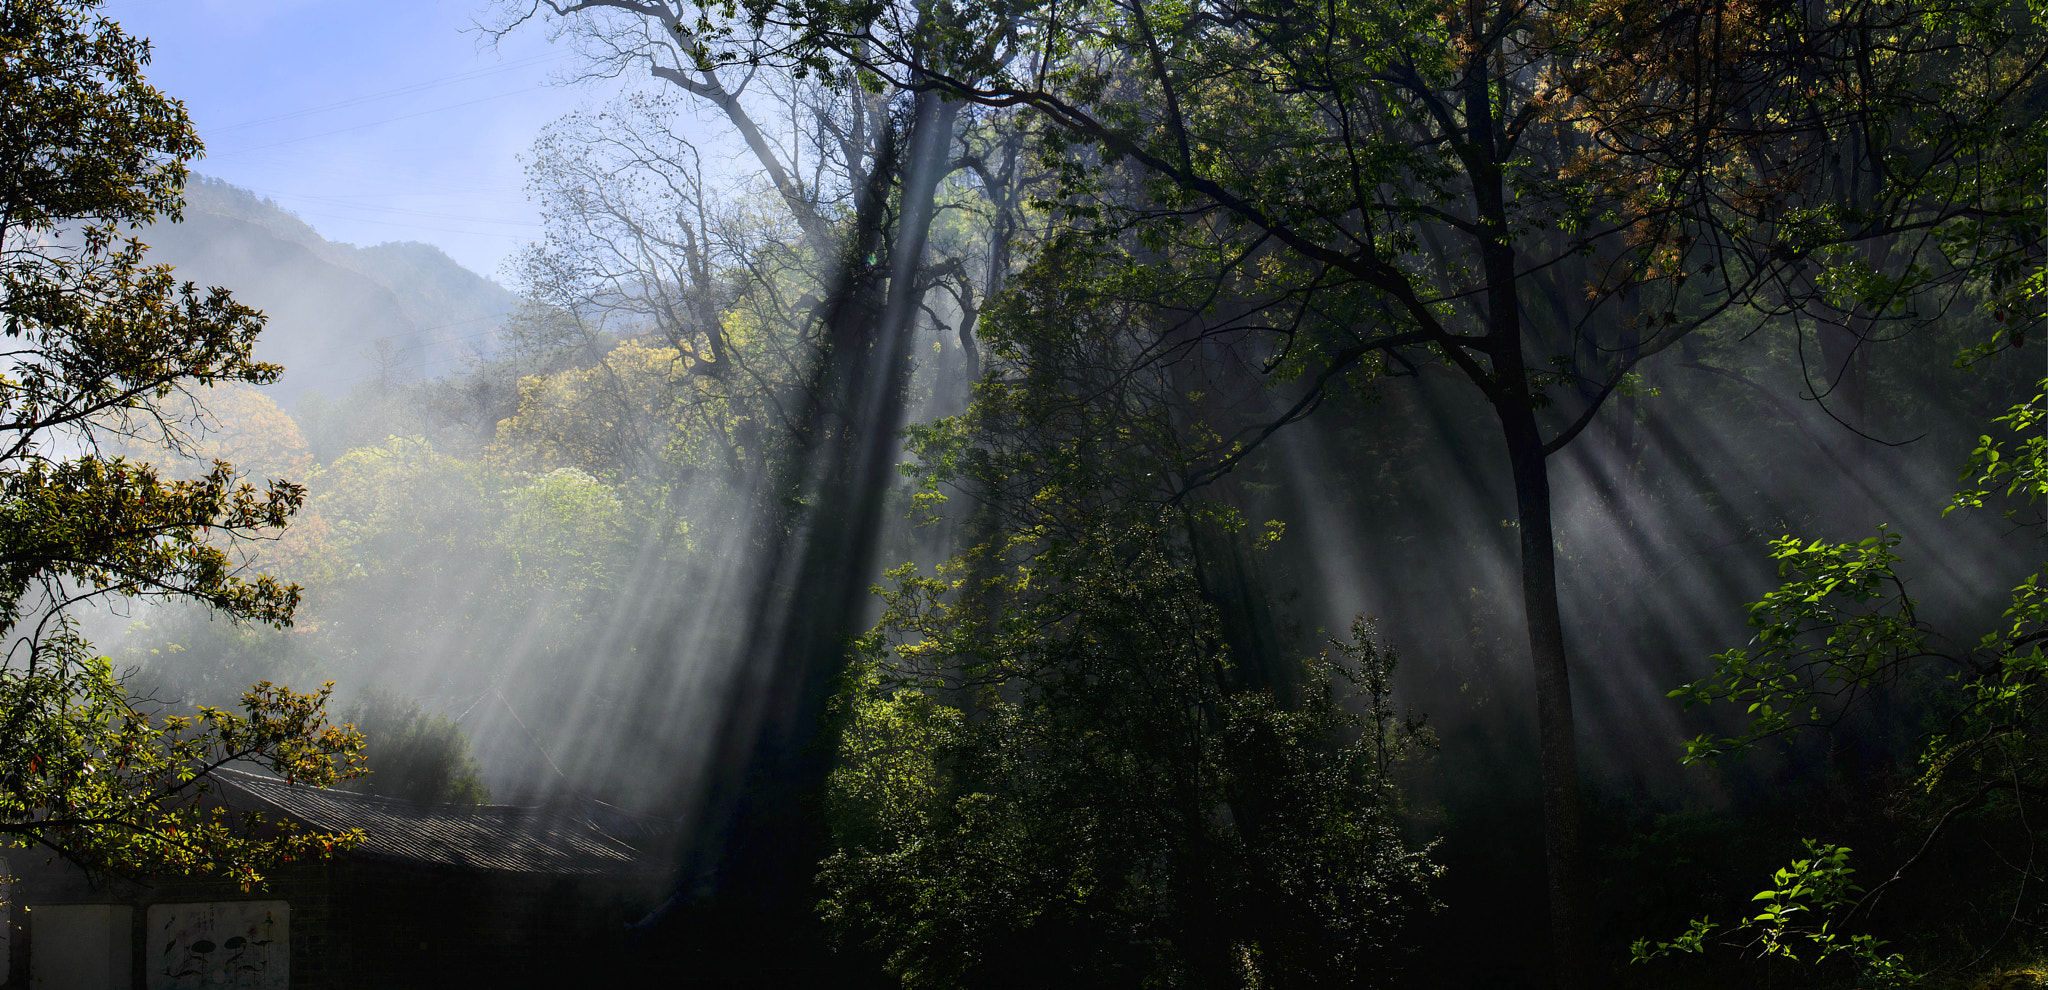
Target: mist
887 457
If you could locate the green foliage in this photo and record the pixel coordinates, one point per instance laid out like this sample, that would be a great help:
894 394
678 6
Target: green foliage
1362 160
397 506
115 526
1842 627
2017 463
87 771
442 549
561 520
101 342
86 137
1799 924
1841 624
1061 764
104 347
1059 780
414 754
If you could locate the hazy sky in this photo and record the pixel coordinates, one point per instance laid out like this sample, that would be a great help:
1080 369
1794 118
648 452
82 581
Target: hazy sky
373 120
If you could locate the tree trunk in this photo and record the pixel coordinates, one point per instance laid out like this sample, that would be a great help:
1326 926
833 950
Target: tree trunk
758 834
1508 386
1563 841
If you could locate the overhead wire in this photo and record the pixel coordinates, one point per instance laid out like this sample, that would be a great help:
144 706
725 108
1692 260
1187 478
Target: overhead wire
255 143
343 203
379 214
406 90
374 123
415 226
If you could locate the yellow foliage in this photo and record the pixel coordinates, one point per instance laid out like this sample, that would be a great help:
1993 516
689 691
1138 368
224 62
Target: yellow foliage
253 434
599 419
2012 979
230 422
642 407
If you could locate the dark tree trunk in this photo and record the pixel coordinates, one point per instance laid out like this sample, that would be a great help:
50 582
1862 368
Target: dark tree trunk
1508 387
758 833
1563 840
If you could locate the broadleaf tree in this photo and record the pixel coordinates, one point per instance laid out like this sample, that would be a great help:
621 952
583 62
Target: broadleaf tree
1534 198
1060 764
1843 634
102 346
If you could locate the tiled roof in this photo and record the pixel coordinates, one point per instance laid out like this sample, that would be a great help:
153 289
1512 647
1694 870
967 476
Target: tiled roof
557 839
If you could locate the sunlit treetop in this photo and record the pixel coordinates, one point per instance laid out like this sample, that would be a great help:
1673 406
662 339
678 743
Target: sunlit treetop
87 138
103 344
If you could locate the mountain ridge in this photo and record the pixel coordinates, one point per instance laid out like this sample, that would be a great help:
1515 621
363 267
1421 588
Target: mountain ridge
339 315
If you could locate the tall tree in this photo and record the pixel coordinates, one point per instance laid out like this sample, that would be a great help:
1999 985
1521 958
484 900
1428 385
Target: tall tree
859 165
1070 769
813 129
1537 197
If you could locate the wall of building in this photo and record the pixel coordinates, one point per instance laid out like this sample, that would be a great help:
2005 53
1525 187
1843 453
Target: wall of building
340 925
164 921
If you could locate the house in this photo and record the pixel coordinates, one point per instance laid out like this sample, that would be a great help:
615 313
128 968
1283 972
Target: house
437 896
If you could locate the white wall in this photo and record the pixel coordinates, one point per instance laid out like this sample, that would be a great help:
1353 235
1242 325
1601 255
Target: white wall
80 947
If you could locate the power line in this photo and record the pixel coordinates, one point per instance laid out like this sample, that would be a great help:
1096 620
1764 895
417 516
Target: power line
374 123
338 202
414 226
389 93
419 177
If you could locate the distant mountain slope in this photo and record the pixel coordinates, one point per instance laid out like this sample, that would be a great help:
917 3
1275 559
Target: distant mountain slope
329 304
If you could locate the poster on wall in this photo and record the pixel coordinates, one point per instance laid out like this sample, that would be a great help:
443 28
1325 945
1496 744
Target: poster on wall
220 945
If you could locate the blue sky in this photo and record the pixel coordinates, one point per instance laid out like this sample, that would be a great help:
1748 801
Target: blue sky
373 120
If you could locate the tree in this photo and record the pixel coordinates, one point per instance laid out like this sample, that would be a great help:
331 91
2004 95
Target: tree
1841 638
1844 629
102 346
1536 199
1088 796
639 246
1799 928
1062 761
865 198
812 171
420 756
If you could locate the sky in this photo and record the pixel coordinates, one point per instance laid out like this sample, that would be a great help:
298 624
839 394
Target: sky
372 120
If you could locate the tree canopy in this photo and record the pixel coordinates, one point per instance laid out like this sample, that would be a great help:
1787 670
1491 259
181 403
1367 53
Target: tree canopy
1526 320
1540 197
103 346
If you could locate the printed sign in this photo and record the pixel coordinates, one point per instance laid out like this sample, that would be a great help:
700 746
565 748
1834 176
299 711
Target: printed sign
223 945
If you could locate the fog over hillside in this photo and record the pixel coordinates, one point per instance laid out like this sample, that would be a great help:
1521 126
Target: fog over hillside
1230 496
339 314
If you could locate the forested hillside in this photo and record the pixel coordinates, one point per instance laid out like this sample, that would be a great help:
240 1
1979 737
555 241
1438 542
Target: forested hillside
1151 494
338 314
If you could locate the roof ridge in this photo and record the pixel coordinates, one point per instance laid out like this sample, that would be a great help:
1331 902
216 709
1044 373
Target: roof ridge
234 775
512 838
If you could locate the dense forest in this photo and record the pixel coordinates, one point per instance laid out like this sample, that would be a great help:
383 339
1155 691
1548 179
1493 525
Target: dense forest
1127 493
